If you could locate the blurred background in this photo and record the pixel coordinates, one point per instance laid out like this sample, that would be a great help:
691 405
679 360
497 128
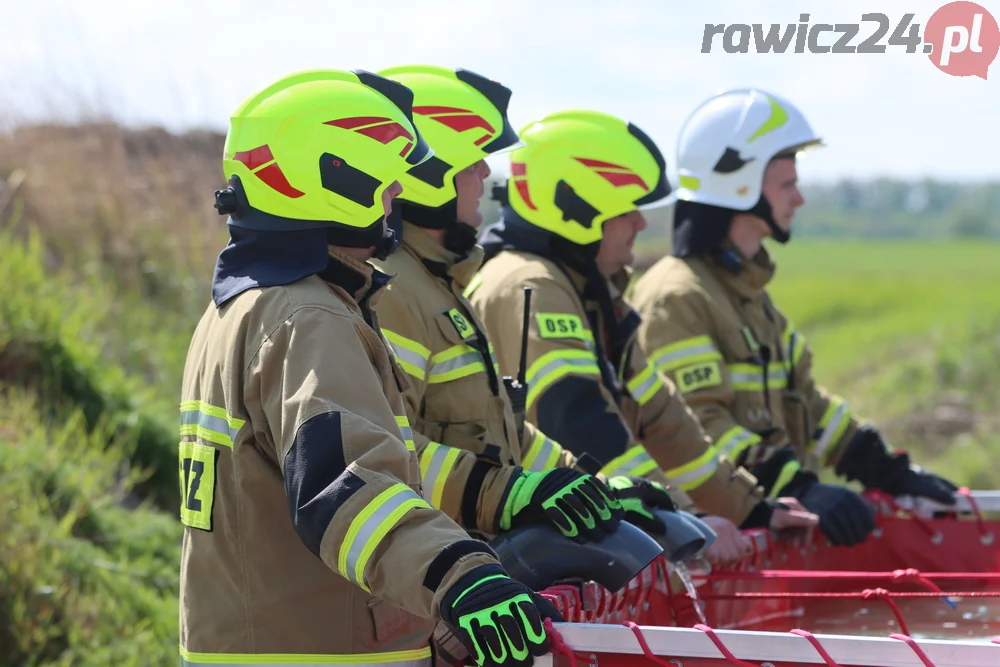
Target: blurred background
112 121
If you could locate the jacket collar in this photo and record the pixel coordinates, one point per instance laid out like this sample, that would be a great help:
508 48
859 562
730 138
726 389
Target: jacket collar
440 261
361 281
753 276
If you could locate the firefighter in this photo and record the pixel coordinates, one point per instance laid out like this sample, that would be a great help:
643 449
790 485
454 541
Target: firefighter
306 539
569 221
478 462
711 326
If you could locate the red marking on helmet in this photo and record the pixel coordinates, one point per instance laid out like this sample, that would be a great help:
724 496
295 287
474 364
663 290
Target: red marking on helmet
429 110
588 162
482 140
255 157
406 149
274 178
621 177
459 120
356 121
519 171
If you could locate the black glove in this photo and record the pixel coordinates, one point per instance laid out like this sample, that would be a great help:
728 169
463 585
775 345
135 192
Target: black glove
869 461
639 497
499 619
844 516
578 504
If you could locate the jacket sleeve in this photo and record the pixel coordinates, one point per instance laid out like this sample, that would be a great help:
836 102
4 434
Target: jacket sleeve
469 490
540 452
829 422
344 460
689 458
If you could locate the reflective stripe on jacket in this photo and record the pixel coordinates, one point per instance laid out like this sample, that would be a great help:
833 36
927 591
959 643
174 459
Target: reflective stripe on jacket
307 539
463 423
740 363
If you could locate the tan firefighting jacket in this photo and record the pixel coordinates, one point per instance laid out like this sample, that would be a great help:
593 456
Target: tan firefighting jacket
664 434
463 423
742 366
306 536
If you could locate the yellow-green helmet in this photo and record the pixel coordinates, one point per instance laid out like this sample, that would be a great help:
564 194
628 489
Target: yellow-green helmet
578 169
463 116
317 149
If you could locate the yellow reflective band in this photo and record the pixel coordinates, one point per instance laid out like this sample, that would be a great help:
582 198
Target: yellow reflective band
555 365
420 657
543 454
693 474
644 385
436 463
410 355
777 377
370 526
197 477
795 346
209 423
456 362
636 462
404 427
493 358
784 477
832 426
735 441
474 284
746 377
684 352
562 325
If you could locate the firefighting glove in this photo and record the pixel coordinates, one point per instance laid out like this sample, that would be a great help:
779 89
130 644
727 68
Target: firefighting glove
579 505
869 461
844 516
639 497
499 619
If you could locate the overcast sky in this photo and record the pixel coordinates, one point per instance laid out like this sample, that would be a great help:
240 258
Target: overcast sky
188 63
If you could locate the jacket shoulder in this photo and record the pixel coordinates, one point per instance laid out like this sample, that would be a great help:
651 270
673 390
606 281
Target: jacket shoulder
670 278
511 269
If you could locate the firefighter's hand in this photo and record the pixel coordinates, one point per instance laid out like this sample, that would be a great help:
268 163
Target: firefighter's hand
867 459
499 619
730 544
578 504
844 516
793 522
639 497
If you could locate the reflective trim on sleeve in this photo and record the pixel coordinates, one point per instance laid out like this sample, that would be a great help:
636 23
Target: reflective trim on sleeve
750 377
370 527
436 463
557 364
543 454
795 346
831 427
404 427
473 285
635 462
735 441
644 385
784 477
693 474
456 362
493 358
210 423
684 352
420 657
410 355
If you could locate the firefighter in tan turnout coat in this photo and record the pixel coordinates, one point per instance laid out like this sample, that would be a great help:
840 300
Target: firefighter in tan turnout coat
479 463
567 232
307 539
710 325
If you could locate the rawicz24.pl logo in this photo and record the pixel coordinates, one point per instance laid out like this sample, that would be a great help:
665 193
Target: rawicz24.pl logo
960 38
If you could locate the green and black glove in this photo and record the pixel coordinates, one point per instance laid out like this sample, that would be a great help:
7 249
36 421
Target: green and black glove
499 619
579 505
639 497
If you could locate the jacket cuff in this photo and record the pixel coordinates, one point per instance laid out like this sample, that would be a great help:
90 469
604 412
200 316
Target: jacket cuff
760 516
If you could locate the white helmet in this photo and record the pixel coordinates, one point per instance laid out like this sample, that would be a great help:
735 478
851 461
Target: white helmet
728 140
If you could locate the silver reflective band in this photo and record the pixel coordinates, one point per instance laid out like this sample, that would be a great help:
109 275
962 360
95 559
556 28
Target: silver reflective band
409 356
584 363
461 361
668 361
217 424
626 468
373 522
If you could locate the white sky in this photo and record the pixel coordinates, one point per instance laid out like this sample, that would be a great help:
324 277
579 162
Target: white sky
184 63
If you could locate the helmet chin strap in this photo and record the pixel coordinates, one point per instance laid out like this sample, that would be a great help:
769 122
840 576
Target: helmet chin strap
762 209
387 244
